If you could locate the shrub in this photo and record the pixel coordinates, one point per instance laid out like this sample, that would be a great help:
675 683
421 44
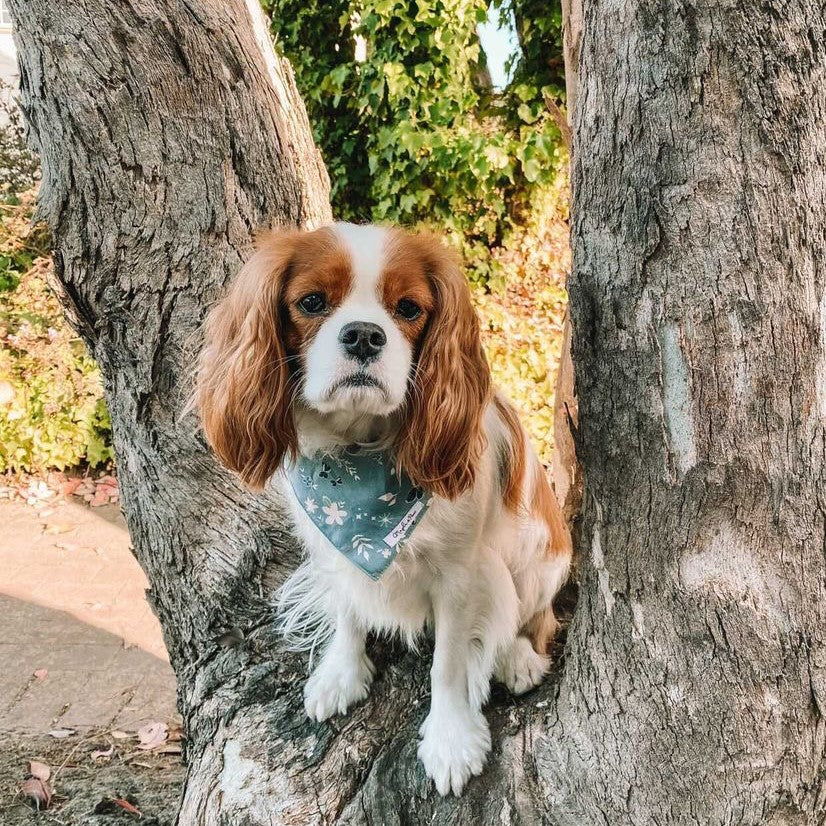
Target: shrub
52 413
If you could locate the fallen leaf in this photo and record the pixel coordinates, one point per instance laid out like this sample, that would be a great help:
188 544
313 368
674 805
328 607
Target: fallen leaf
60 733
99 754
41 673
152 735
68 487
111 805
39 770
120 735
127 806
57 527
169 748
37 791
176 733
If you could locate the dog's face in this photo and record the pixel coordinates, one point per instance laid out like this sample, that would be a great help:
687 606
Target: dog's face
359 320
356 304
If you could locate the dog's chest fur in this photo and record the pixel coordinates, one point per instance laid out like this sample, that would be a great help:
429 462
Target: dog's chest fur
399 602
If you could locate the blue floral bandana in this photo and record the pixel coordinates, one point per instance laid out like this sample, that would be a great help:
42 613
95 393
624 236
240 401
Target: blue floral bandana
359 502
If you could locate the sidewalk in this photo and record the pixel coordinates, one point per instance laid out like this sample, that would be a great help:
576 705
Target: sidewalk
79 646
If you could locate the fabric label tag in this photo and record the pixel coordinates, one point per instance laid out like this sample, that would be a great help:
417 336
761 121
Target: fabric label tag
398 533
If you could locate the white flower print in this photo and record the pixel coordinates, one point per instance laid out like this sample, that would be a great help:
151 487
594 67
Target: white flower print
335 514
310 505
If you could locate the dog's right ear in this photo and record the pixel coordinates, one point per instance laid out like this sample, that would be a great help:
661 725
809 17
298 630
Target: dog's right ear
243 384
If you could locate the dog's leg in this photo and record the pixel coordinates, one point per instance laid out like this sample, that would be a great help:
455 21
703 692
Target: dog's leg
344 674
455 734
520 667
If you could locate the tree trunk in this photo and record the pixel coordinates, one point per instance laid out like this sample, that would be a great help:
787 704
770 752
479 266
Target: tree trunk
693 685
565 467
695 682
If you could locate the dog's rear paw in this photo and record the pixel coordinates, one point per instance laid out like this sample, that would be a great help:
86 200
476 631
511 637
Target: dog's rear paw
454 747
520 668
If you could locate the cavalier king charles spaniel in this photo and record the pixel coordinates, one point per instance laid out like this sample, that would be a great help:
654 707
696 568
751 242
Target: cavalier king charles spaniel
345 367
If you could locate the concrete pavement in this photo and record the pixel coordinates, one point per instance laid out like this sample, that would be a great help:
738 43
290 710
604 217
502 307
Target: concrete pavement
79 645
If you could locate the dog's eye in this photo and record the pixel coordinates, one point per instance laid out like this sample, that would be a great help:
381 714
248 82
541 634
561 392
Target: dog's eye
408 310
312 304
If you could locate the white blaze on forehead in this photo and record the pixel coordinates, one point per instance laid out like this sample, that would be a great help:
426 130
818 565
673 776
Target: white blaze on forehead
325 361
366 247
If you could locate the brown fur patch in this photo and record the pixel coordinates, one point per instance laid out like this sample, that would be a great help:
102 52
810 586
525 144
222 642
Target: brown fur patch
405 276
441 439
544 506
319 264
245 380
513 471
541 629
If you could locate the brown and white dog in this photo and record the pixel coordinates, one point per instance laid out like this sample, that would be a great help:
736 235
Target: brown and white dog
278 379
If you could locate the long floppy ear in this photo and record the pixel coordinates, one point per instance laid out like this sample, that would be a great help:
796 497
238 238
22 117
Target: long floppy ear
243 384
441 438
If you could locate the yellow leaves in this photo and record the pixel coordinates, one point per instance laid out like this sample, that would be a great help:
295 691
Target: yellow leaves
522 322
52 415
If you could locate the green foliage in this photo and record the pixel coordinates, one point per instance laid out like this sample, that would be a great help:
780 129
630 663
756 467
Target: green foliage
414 133
52 413
538 69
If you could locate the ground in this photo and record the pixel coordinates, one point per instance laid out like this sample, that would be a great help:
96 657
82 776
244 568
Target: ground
81 656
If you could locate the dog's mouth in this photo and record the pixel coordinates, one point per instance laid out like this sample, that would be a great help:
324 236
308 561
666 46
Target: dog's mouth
358 380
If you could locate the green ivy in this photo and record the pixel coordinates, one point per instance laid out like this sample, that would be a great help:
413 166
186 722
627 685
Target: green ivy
414 133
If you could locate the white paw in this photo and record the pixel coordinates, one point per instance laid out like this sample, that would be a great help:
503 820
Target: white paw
337 684
520 668
454 746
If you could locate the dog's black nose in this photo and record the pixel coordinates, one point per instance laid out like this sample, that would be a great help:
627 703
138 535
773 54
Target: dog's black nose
362 340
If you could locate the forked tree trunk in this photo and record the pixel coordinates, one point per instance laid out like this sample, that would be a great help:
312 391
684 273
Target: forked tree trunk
694 680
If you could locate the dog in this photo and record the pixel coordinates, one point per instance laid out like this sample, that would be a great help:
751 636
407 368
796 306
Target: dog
345 367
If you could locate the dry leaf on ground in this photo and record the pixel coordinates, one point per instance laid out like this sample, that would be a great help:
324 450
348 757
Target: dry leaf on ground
37 791
152 735
39 770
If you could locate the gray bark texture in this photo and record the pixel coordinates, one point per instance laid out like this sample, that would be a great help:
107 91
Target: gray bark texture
693 683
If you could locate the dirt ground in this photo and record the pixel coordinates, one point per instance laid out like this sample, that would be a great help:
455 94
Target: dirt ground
84 678
85 788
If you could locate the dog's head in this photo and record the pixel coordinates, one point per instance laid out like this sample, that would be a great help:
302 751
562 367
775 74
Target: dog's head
353 320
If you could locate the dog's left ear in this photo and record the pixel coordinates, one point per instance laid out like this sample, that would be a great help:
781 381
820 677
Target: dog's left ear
243 385
441 438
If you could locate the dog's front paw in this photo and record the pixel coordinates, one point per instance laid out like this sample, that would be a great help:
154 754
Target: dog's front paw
454 746
337 684
520 668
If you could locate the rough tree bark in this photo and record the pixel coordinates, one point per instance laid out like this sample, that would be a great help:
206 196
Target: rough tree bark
694 679
565 467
